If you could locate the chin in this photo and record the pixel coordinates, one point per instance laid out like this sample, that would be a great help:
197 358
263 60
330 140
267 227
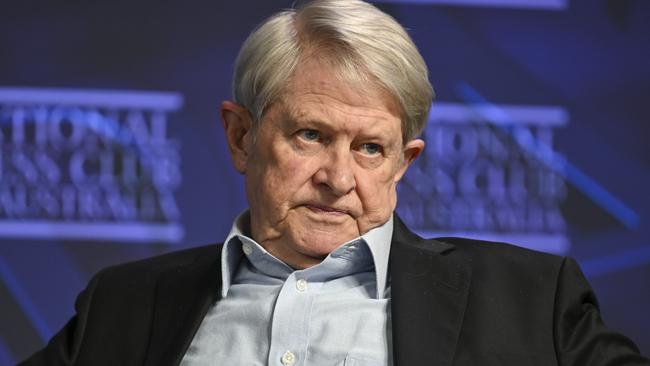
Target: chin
318 239
322 244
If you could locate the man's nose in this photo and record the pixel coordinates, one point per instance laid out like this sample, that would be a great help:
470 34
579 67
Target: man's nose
336 173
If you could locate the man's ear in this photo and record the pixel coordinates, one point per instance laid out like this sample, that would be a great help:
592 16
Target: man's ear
238 125
412 150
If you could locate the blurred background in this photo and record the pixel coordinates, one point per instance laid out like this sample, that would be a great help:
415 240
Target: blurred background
111 148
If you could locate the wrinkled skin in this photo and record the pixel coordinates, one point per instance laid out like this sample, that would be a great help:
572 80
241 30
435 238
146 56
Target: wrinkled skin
323 166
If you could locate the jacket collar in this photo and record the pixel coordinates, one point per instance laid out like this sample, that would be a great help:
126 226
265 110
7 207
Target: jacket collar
429 295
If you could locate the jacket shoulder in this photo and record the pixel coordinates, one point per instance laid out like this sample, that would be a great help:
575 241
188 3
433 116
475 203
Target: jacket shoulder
150 268
496 264
115 312
492 251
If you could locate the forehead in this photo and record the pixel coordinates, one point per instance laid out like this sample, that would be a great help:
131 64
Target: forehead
319 88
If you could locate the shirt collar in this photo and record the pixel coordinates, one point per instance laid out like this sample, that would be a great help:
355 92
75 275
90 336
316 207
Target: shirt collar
377 241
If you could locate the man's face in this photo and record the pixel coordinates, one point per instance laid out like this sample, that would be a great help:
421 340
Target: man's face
323 166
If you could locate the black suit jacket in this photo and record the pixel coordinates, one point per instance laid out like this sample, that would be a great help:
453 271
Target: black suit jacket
454 302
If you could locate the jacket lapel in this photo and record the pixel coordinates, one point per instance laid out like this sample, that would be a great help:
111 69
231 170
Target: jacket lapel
429 293
183 296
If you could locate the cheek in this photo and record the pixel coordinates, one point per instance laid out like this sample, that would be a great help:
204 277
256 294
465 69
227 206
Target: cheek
378 197
293 169
285 173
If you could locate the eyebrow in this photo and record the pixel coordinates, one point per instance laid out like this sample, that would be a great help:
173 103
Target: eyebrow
296 116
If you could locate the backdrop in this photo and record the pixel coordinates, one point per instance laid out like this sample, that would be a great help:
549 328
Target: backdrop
111 148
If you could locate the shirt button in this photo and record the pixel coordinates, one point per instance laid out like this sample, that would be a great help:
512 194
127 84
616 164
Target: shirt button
248 249
288 358
301 285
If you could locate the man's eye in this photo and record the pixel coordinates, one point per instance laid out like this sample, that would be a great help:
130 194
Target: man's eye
309 135
370 148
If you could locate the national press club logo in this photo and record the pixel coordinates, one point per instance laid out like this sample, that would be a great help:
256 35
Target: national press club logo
489 172
88 165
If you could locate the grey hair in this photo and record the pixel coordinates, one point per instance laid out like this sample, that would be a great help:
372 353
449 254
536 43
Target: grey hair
362 40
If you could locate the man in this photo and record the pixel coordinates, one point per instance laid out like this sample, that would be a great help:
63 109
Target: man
329 100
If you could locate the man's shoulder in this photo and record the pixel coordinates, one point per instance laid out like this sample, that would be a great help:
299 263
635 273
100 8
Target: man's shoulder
148 269
470 250
485 256
495 248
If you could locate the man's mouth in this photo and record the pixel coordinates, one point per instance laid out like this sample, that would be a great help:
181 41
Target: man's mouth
326 209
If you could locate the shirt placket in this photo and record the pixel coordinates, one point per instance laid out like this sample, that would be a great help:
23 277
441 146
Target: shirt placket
290 321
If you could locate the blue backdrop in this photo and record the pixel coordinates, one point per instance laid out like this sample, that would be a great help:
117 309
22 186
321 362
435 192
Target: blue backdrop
111 148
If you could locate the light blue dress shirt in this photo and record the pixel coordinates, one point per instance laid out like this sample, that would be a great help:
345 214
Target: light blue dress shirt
334 313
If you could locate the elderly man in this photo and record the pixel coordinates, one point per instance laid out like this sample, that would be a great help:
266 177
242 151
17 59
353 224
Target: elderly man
329 100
